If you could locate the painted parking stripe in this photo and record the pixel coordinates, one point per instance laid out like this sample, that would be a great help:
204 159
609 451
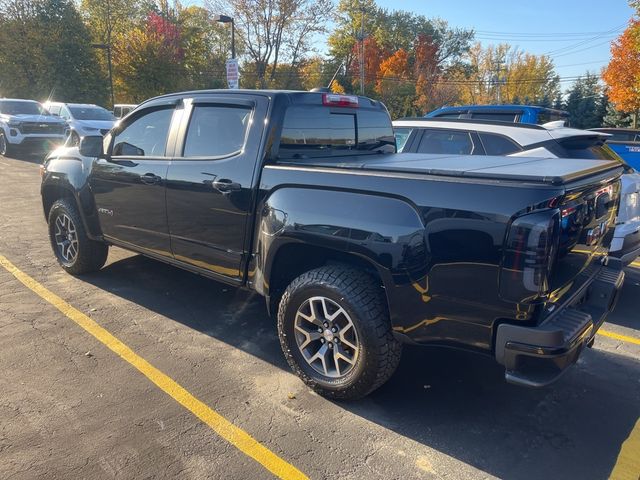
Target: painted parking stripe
627 465
223 427
617 336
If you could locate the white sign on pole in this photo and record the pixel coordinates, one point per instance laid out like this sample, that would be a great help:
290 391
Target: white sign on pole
233 75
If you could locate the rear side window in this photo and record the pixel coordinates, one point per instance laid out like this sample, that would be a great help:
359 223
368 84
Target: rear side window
498 144
320 132
546 116
446 142
449 115
216 131
402 135
500 117
622 137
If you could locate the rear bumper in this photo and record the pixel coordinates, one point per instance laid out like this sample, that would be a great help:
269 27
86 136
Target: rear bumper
537 356
626 242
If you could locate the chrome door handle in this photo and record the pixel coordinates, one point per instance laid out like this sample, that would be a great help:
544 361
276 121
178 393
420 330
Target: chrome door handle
225 185
150 178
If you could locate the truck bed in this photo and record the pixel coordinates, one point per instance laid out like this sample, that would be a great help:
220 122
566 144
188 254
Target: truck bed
551 171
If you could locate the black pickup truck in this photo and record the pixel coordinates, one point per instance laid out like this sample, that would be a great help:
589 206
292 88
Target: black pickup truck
301 197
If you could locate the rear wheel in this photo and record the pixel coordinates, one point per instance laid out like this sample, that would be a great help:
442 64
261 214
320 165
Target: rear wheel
335 332
74 250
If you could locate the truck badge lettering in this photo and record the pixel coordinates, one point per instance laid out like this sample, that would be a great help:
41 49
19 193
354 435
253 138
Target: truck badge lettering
105 211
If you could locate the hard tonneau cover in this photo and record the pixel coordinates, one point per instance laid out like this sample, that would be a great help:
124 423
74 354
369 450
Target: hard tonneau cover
551 171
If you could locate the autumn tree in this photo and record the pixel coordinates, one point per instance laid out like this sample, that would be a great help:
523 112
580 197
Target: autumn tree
622 74
373 58
394 86
386 32
148 60
503 74
275 31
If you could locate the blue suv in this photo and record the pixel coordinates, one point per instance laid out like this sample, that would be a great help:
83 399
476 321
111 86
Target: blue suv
503 113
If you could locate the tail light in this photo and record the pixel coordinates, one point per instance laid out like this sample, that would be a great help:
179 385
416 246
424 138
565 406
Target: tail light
337 100
530 250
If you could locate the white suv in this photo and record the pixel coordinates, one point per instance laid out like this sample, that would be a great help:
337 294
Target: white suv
552 140
84 119
26 124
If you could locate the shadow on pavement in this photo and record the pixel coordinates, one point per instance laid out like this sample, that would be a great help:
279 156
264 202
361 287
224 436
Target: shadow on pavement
454 402
31 157
626 313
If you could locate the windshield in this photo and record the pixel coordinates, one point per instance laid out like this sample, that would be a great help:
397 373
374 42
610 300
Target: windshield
91 113
12 107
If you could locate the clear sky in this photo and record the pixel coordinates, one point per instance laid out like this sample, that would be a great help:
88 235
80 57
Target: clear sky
575 33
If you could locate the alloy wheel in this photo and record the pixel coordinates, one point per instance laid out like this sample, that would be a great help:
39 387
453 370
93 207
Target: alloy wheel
326 337
66 238
3 145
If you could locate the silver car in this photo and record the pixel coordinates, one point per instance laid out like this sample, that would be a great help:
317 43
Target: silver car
84 119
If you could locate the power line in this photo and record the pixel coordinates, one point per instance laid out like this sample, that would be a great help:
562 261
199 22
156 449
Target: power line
580 50
584 42
541 34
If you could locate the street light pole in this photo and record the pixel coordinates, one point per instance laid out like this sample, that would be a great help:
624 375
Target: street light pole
227 19
233 39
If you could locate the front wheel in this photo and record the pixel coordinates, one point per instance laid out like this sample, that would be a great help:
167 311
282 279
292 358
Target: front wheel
5 147
74 250
335 332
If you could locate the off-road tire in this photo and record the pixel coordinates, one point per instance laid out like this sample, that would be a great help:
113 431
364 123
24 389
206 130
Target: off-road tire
363 299
91 255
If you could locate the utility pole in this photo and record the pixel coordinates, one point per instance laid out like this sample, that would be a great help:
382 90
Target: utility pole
498 81
361 38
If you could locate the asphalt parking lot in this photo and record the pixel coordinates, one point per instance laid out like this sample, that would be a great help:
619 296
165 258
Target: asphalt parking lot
72 408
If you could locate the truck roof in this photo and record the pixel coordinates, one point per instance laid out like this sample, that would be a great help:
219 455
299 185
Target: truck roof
292 94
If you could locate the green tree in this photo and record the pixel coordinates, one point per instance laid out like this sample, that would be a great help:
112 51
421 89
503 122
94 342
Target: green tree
616 118
206 45
586 103
47 53
275 32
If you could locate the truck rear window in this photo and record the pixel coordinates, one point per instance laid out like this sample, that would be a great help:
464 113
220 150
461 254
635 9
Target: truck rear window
311 132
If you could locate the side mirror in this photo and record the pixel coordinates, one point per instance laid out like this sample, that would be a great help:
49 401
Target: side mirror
91 147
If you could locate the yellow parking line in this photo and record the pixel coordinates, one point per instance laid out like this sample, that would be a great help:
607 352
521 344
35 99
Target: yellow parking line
223 427
617 336
627 465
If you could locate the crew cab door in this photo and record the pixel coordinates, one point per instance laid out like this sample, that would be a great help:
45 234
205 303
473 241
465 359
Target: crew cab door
129 185
210 182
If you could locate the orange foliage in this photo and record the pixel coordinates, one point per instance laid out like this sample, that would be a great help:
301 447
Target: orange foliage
396 67
622 75
373 56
